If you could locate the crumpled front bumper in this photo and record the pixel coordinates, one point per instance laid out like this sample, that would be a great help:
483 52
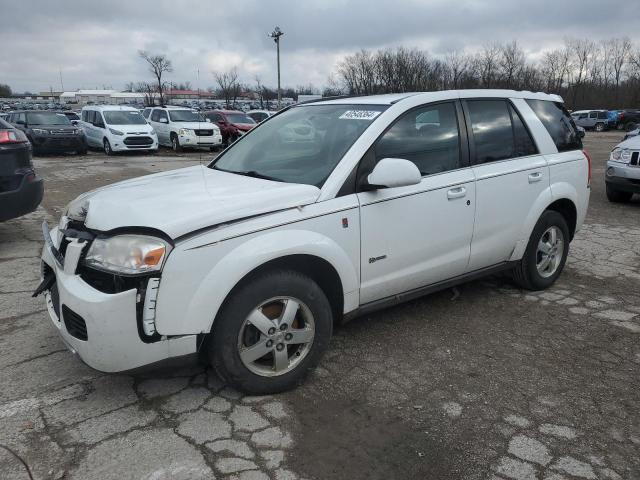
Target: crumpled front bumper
112 343
623 177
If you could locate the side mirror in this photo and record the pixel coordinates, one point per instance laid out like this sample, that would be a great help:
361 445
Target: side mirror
394 172
75 122
208 120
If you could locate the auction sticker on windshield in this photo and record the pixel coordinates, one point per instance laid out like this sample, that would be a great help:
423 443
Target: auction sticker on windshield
359 115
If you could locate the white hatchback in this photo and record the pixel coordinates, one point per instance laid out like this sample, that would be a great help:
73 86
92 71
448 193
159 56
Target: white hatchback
374 201
117 128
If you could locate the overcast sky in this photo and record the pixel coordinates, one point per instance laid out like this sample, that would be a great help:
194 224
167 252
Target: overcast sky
95 44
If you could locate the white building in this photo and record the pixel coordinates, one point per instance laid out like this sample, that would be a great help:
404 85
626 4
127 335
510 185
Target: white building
85 97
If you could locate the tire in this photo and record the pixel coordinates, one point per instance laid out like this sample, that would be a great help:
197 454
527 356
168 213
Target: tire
232 333
630 126
620 126
527 273
107 147
599 127
617 196
175 143
83 151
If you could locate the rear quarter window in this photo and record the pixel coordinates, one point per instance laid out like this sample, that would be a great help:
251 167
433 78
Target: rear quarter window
558 123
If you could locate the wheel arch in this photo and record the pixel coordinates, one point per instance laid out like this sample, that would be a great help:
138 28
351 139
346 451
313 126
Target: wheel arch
306 251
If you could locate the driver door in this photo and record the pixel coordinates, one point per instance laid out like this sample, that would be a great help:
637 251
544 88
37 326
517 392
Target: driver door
421 234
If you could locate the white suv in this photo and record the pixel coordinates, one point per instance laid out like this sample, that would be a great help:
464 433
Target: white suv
254 257
179 127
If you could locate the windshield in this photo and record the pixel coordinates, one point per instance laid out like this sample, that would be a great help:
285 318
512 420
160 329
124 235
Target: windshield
185 116
47 118
123 117
301 145
238 118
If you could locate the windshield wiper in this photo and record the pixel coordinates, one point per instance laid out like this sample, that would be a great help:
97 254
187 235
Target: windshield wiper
250 173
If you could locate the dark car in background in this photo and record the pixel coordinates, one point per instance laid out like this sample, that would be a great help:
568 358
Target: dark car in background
21 189
49 132
233 124
627 120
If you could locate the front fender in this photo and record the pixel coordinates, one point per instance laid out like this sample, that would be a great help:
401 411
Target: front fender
177 317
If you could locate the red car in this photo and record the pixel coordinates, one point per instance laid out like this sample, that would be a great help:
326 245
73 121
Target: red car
233 123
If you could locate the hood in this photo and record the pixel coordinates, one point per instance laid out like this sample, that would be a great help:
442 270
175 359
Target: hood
181 201
632 143
57 128
196 125
140 128
244 126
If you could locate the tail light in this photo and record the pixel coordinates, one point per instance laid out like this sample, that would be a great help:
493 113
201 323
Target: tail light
586 154
12 136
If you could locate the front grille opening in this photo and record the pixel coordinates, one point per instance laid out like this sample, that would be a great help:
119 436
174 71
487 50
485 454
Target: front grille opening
634 159
75 324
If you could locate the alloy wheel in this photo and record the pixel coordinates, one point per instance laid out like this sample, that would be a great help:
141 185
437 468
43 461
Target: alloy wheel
276 336
550 251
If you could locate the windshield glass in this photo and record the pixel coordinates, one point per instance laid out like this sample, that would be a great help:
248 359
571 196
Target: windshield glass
185 116
300 145
238 118
122 117
47 118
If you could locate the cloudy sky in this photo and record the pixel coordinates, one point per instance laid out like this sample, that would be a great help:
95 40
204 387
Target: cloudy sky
95 44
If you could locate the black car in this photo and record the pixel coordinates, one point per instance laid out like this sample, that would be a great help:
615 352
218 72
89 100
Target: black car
20 188
49 131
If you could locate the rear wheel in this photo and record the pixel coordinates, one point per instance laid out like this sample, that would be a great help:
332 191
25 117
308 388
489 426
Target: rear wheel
107 147
270 332
546 253
599 127
618 196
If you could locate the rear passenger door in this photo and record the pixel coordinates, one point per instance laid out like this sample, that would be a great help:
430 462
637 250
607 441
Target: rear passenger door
510 176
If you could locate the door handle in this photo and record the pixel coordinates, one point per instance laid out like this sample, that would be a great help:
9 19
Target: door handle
457 192
535 177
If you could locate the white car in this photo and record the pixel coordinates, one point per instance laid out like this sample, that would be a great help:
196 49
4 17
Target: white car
622 176
253 257
117 128
179 127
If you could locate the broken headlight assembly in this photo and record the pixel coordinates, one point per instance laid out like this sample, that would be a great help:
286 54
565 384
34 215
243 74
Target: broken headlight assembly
128 254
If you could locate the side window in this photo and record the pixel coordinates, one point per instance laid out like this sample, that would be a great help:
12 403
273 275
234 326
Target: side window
91 116
146 112
602 115
98 121
83 116
155 116
162 114
593 114
22 117
523 143
492 131
558 123
582 116
427 136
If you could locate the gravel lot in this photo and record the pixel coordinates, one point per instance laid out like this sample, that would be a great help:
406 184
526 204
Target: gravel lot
484 381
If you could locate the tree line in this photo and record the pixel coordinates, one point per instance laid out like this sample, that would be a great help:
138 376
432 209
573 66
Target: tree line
588 74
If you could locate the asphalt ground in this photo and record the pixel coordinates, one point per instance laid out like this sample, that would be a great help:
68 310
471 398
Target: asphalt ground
484 381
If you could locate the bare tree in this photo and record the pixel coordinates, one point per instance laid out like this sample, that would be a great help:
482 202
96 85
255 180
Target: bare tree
488 62
228 85
456 65
149 92
582 50
620 53
158 65
511 64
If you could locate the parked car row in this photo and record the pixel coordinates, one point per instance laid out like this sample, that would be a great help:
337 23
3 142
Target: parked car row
601 120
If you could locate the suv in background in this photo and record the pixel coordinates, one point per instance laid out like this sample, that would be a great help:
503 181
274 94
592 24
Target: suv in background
179 127
628 120
622 176
49 131
21 189
597 120
253 257
116 128
233 123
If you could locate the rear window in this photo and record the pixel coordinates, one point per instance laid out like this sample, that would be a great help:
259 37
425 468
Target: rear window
558 123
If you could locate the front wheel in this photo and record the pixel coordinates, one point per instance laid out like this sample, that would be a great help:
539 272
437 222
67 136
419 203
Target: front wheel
546 253
270 332
107 147
175 143
618 196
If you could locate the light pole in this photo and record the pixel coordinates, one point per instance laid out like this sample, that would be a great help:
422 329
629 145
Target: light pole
276 34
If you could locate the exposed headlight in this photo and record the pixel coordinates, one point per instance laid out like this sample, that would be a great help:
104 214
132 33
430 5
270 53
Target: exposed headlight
116 132
620 155
185 131
128 254
40 131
